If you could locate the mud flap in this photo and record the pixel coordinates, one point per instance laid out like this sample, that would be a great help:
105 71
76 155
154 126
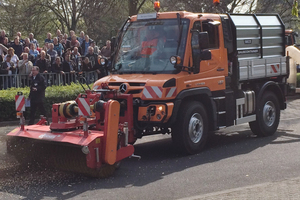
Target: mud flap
111 131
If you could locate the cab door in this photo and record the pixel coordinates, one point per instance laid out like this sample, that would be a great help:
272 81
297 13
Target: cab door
215 64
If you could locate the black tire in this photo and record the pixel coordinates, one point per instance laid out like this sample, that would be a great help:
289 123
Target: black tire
267 116
191 129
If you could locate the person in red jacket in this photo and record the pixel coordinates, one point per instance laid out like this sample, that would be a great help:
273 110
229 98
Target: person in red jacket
154 41
152 44
150 50
145 55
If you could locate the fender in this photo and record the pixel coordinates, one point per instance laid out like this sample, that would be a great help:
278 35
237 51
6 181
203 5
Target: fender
193 92
271 85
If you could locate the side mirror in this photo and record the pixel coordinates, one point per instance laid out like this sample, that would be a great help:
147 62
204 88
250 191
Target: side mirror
205 55
203 40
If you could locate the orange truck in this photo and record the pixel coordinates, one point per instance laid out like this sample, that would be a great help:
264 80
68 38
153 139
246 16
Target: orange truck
179 73
210 71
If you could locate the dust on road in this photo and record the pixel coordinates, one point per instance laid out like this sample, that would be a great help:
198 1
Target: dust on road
15 178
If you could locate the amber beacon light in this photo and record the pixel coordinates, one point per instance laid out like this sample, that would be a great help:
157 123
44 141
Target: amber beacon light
216 2
157 5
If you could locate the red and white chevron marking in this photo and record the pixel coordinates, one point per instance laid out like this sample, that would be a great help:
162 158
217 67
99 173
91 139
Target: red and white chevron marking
152 92
275 68
20 102
84 107
171 92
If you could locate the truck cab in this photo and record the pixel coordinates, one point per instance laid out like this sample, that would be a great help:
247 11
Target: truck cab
290 37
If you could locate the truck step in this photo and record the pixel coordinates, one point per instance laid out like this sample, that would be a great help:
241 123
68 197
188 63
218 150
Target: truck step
219 98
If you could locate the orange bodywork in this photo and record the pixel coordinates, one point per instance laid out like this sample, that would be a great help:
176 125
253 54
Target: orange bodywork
111 139
162 112
150 86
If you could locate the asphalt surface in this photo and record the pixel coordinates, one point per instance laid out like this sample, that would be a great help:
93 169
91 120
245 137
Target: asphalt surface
235 165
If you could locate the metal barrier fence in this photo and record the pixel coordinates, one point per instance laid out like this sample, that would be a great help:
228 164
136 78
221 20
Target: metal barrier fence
23 80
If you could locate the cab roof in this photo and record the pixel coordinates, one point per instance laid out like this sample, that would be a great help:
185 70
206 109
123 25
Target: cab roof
183 14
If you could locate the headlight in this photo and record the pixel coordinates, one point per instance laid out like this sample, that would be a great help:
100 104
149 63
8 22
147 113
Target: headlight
175 60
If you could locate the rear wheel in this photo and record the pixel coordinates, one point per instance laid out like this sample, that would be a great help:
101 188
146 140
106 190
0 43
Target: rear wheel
191 129
267 116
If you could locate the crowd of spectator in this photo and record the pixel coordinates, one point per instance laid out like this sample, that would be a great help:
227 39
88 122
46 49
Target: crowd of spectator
58 54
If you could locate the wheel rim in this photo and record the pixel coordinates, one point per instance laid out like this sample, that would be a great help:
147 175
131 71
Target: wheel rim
269 113
196 128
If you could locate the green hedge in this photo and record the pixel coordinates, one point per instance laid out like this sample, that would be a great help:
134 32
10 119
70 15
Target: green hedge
54 94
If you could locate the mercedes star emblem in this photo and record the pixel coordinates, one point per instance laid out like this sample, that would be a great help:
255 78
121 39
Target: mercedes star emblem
123 88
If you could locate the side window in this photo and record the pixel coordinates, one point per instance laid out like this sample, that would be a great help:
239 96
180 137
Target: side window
197 26
287 40
212 32
195 52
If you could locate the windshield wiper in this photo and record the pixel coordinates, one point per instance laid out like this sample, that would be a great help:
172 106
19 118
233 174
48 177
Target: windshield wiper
128 72
184 68
120 65
180 32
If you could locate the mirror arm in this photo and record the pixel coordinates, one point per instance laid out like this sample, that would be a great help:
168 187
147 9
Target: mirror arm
184 68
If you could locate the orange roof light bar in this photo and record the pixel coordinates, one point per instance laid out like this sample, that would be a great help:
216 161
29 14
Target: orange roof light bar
216 2
156 6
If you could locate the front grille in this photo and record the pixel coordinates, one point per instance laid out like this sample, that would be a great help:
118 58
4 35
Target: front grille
131 84
137 84
134 91
114 84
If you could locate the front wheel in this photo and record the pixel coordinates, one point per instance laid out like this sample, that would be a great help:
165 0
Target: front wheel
267 116
191 129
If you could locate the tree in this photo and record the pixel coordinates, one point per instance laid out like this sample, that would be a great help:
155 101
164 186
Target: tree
226 6
24 16
100 19
242 6
67 12
9 20
282 7
102 22
134 6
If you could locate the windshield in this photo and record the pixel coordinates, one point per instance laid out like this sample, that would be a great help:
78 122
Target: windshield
147 46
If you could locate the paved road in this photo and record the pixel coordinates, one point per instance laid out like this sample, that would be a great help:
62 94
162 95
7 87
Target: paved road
235 165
